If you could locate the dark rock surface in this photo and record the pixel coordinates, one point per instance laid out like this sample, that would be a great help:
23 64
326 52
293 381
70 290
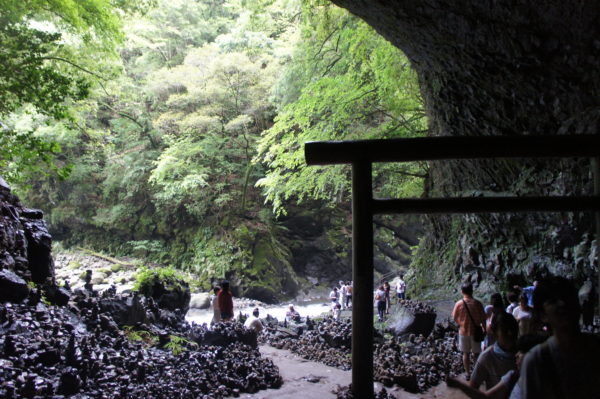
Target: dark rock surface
411 317
83 351
319 240
12 287
25 244
172 294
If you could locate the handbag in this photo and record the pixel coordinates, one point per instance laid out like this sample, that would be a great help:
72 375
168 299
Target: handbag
478 333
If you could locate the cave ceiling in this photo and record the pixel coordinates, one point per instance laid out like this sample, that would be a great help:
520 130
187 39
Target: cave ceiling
505 67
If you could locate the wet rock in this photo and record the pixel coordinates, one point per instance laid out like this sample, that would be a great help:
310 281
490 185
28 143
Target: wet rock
12 287
69 382
412 317
57 295
200 301
173 295
24 239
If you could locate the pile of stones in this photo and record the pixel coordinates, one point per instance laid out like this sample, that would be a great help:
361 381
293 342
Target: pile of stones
327 341
412 361
417 363
417 307
84 350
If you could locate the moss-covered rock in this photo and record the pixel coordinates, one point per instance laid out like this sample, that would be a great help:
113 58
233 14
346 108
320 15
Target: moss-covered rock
166 286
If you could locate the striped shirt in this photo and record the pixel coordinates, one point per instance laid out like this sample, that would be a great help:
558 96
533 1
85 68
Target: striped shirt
461 317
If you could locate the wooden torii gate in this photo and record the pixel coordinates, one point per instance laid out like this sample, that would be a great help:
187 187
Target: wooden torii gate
362 153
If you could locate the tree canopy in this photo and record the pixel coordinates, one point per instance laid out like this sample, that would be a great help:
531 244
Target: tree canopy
182 133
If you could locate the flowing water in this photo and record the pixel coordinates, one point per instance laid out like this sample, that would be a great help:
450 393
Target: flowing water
311 309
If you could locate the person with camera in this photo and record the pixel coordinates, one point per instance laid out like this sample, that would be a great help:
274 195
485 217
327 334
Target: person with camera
468 313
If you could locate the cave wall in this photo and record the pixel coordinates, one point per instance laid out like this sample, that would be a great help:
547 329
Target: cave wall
501 67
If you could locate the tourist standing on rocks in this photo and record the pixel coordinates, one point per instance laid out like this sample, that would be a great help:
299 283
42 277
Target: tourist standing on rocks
253 322
587 299
337 311
567 365
528 291
334 296
495 307
225 301
401 288
524 315
387 289
499 358
348 294
380 302
468 314
215 306
344 292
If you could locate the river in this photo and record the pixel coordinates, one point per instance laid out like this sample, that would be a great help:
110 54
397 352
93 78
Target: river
311 308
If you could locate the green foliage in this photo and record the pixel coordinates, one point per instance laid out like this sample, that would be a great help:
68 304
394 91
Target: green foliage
74 265
177 345
175 145
345 82
146 277
45 49
144 336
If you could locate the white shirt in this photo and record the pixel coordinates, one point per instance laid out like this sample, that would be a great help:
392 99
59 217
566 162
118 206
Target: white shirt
333 295
254 323
519 313
400 286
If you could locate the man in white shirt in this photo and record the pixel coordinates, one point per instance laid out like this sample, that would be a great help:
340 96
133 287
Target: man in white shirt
334 296
401 288
253 322
343 292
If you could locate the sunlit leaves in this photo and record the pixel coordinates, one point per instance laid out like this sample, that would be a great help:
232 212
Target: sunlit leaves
345 82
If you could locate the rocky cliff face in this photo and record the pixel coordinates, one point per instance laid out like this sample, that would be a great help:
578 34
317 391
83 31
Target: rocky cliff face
501 68
25 245
309 251
320 242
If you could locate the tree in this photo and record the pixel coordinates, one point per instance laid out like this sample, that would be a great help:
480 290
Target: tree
344 82
40 71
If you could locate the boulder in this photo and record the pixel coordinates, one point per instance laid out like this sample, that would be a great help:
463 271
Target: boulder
406 321
172 294
12 287
200 300
58 295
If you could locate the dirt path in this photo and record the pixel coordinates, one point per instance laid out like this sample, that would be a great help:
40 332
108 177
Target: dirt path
306 379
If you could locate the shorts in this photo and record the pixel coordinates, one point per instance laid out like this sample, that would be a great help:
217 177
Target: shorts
466 344
226 316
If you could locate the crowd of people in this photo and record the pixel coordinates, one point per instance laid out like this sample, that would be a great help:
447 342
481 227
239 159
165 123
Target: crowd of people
531 348
222 306
382 297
